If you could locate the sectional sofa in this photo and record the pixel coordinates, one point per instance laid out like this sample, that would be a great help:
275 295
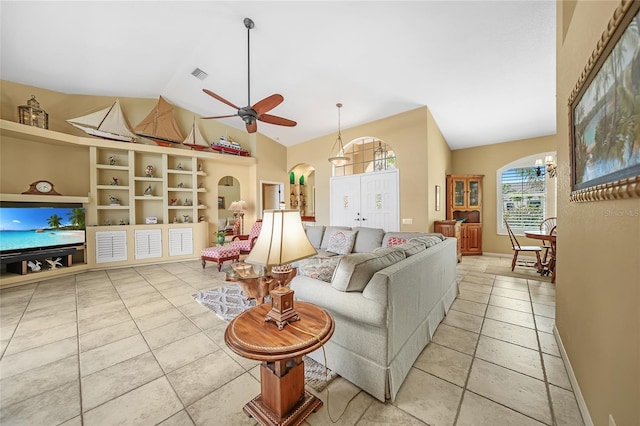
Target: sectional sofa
387 295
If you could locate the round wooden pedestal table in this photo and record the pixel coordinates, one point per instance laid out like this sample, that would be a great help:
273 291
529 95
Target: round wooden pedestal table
283 399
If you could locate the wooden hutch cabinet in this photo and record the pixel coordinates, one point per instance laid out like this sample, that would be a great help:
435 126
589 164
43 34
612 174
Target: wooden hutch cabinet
464 203
451 228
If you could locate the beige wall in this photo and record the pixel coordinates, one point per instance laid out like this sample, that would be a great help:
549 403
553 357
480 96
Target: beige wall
598 285
419 147
485 160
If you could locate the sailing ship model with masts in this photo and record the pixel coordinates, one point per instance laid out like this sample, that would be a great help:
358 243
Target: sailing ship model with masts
195 140
160 125
108 123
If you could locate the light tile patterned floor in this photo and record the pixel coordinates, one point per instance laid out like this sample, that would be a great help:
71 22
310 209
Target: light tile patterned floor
131 346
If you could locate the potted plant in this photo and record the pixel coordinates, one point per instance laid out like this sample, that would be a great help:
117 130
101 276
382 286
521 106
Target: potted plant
221 234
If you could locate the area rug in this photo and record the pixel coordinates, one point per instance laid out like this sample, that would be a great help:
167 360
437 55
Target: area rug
229 301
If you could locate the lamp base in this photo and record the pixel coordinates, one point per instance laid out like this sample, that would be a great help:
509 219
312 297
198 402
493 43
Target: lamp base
282 311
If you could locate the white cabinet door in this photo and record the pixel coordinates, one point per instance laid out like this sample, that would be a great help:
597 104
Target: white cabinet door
369 199
345 201
111 246
180 241
148 243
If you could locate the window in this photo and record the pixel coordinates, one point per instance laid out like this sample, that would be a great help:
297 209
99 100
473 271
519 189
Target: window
525 197
367 155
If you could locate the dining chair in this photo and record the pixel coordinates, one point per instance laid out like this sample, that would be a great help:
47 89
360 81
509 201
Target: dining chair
517 248
546 226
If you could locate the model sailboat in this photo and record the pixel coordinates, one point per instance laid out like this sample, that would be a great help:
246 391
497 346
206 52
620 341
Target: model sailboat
108 123
160 126
195 140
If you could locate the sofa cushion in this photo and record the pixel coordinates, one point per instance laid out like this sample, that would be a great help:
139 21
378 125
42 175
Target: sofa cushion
394 241
320 268
412 247
429 240
329 230
356 269
368 239
314 234
403 235
341 242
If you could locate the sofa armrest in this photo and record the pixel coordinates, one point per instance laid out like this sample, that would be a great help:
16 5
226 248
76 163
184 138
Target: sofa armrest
351 305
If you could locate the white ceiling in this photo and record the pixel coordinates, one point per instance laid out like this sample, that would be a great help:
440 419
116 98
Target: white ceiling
486 69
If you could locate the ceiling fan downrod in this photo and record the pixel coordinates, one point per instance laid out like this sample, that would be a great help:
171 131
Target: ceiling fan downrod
249 24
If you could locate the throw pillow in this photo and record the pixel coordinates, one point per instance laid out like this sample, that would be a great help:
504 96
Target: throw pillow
355 270
320 268
394 241
341 242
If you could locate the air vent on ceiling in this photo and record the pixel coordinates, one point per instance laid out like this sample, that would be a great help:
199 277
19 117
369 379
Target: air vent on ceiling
198 73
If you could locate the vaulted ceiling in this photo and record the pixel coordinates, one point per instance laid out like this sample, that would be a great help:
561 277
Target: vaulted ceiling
486 69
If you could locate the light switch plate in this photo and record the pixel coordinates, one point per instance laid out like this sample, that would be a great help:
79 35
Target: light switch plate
407 221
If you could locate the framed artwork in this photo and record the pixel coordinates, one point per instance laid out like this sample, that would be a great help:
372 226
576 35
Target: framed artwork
221 202
604 114
437 198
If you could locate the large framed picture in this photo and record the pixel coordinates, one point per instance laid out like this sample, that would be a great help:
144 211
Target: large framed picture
604 114
221 203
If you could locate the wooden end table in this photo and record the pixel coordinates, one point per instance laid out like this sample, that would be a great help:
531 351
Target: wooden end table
283 399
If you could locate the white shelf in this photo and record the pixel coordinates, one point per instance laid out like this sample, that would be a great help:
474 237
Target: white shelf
44 198
180 207
113 187
179 172
110 167
110 207
149 197
148 179
180 189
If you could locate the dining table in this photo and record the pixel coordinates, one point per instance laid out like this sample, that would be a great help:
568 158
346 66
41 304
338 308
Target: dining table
550 266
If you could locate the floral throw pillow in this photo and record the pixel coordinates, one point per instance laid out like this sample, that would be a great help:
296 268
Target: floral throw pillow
394 241
320 268
341 242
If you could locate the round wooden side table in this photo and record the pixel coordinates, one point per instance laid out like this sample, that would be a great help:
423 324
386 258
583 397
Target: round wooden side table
283 399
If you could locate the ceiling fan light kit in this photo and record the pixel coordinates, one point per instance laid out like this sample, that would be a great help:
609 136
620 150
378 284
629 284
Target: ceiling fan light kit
340 159
258 112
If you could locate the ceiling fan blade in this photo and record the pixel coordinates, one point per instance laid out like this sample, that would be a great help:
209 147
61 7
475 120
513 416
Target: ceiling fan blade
274 119
268 103
220 98
252 128
220 116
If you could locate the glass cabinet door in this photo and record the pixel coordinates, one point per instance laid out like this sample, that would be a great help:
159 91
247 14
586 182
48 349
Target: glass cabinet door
458 193
474 193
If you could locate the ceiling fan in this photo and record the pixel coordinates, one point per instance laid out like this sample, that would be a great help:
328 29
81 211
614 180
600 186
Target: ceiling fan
252 114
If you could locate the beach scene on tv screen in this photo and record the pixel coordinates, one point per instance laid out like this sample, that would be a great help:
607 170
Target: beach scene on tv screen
37 227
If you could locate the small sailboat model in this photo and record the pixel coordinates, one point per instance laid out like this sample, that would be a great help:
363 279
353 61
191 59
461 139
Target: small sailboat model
195 140
108 123
160 125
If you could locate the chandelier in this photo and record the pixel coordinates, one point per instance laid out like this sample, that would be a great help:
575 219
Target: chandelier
549 164
380 154
340 159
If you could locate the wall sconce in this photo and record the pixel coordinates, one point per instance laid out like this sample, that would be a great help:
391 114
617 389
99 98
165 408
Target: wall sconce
549 164
32 115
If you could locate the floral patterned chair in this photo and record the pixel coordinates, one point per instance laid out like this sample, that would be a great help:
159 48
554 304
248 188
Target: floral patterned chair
246 242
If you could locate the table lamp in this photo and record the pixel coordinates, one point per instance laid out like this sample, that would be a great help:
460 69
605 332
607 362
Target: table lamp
282 240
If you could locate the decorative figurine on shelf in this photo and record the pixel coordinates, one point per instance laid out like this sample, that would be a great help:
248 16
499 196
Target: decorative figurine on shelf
115 181
187 202
175 219
200 203
185 218
179 167
112 160
302 180
200 168
173 202
122 222
201 185
114 201
34 266
147 191
54 263
148 171
107 222
201 218
180 185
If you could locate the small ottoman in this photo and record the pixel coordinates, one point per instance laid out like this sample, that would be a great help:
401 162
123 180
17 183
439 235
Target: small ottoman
219 254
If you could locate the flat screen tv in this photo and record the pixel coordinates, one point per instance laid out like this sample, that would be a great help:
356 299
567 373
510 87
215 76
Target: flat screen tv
27 227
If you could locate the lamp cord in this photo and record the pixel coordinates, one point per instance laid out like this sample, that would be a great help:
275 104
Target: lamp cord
326 374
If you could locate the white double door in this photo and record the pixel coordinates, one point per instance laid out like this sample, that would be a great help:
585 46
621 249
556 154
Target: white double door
369 199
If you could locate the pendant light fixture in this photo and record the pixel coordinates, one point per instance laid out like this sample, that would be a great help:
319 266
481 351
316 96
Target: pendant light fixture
340 159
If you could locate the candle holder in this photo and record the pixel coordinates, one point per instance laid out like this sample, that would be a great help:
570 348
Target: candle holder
32 115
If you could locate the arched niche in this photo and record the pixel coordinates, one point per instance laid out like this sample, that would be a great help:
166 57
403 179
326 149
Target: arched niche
228 192
302 189
367 154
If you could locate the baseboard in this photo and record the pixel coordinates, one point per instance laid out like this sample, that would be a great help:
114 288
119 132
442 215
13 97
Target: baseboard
582 405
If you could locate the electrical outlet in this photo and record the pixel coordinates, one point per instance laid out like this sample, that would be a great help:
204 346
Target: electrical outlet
407 221
611 421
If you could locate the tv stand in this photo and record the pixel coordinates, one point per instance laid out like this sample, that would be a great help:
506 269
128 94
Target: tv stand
17 262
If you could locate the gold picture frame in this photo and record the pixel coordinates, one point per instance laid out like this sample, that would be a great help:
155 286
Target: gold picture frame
604 132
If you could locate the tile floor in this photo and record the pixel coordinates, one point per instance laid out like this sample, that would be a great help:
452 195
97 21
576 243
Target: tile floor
131 346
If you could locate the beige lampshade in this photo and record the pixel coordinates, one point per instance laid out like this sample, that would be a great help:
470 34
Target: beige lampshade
282 240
